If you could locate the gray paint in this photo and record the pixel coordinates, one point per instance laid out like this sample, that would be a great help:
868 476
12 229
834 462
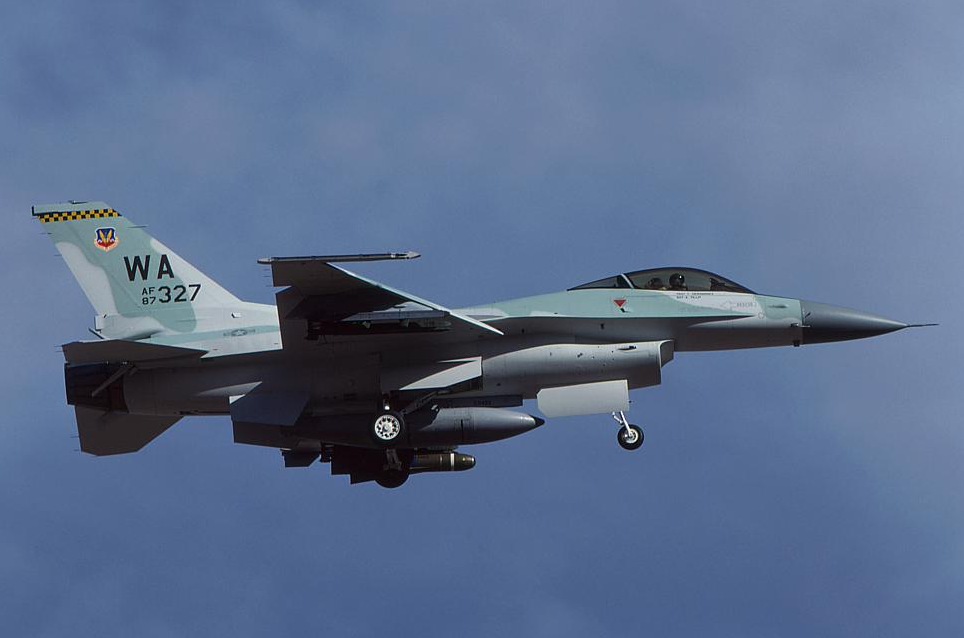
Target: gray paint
823 323
352 347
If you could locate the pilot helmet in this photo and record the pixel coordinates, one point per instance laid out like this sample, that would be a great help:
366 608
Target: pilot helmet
677 280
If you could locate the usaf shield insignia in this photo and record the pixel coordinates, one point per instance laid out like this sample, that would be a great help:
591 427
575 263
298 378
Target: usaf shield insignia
105 238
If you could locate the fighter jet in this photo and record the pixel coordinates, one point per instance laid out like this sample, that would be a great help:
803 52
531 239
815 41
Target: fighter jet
377 382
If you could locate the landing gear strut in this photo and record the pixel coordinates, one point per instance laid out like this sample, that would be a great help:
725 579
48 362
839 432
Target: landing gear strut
630 436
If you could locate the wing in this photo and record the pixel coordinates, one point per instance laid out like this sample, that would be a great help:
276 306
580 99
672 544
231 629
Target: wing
325 302
124 351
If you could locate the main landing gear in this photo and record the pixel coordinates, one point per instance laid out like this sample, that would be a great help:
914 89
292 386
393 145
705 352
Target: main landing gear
387 431
630 436
388 428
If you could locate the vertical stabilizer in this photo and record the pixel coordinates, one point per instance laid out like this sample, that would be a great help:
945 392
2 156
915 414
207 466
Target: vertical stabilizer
137 285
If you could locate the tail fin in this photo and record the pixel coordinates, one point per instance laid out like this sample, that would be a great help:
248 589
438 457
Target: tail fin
137 285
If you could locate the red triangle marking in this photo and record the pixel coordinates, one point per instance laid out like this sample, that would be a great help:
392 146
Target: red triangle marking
619 302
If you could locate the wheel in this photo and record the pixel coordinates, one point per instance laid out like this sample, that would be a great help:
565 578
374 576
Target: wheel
631 439
391 478
388 428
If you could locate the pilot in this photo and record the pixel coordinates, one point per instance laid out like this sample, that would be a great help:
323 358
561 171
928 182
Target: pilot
655 284
677 282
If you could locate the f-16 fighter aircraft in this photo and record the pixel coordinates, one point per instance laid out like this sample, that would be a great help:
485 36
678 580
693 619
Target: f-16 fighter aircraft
377 382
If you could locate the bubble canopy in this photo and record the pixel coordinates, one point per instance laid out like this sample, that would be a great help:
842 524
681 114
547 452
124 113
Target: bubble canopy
692 279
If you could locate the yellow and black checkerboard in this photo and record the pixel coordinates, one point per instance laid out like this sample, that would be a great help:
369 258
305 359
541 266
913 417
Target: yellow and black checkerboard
77 214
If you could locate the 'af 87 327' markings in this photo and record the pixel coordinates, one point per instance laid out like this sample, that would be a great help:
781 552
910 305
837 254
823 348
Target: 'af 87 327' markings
169 294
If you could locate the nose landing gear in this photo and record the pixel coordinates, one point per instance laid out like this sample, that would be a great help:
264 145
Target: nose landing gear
630 436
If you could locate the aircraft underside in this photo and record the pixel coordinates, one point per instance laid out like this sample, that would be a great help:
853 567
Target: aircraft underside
402 418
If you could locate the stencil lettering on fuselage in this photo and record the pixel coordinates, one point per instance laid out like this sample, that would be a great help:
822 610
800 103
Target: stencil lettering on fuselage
746 304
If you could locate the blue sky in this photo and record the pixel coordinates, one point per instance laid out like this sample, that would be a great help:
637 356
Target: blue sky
813 150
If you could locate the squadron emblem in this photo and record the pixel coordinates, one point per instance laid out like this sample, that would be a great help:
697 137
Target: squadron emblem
105 238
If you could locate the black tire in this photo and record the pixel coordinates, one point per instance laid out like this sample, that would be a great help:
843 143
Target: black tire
627 441
388 429
391 478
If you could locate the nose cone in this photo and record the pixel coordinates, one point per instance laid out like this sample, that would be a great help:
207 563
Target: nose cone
823 323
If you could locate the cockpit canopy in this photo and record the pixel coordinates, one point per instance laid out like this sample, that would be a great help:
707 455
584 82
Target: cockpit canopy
668 279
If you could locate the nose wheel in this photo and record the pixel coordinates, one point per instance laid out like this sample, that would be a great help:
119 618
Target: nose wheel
630 436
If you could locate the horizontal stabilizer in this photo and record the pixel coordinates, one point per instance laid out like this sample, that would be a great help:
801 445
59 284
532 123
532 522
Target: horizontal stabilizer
103 433
123 351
